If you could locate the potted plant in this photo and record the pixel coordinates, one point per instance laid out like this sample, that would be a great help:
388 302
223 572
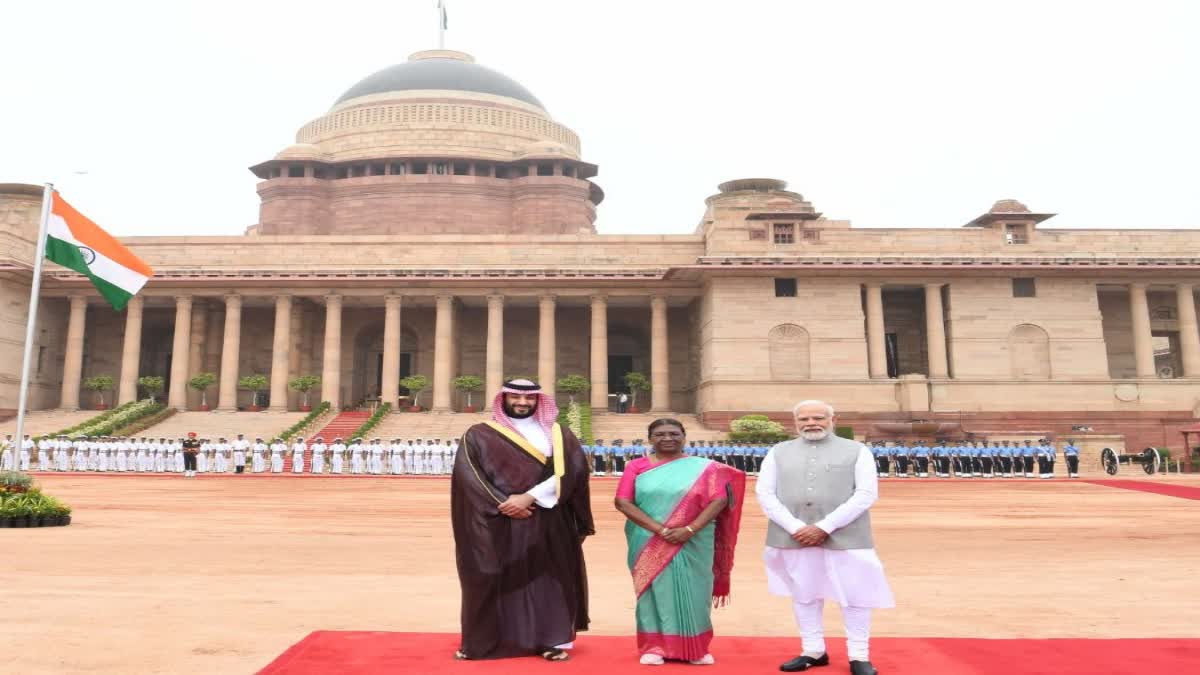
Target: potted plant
153 384
305 384
468 384
201 383
255 383
415 384
15 482
573 384
636 382
99 384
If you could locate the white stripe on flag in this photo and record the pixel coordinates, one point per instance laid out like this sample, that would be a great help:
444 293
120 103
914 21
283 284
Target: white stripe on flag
102 266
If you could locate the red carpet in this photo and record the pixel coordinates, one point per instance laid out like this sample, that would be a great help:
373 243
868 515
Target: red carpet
1169 489
351 653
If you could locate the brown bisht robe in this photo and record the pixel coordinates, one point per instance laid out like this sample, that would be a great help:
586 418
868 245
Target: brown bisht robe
524 586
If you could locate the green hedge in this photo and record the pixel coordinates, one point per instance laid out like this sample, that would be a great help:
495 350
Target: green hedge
771 437
90 421
372 421
115 419
296 428
30 503
844 432
144 423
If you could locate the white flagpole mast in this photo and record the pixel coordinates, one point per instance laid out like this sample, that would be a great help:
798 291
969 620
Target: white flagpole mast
35 288
441 24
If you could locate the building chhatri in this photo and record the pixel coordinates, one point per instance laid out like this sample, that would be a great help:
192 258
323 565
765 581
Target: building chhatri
437 221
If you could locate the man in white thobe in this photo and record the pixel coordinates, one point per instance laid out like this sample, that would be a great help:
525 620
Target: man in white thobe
816 491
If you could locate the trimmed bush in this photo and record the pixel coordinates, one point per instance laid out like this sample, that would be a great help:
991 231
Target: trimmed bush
321 409
757 429
844 432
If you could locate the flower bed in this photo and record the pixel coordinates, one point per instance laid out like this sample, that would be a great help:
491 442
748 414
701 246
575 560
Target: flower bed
23 505
311 417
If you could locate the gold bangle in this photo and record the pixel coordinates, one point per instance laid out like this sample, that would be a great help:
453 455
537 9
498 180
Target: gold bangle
689 529
663 532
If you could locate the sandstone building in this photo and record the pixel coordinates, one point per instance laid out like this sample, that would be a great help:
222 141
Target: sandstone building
437 220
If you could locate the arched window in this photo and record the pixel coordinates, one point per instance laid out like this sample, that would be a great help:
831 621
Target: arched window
1029 352
788 347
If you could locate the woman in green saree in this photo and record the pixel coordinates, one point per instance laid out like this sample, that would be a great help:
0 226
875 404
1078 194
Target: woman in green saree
683 514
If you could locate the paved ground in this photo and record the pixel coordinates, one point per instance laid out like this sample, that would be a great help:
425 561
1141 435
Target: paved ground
220 575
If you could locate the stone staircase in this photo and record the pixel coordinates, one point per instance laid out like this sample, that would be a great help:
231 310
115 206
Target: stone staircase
427 425
627 427
342 425
39 422
228 425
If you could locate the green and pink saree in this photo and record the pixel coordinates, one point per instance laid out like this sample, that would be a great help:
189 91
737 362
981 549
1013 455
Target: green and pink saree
678 585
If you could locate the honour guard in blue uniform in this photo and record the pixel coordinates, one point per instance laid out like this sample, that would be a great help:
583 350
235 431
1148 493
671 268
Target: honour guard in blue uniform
1071 453
920 454
1027 454
599 458
880 452
1049 455
901 457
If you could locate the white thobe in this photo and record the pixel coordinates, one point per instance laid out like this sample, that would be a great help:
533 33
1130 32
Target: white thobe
544 493
851 577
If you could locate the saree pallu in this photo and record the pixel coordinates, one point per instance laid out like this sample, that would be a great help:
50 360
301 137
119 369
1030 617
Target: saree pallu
677 585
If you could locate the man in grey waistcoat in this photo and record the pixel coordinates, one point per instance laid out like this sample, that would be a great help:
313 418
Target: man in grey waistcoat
816 491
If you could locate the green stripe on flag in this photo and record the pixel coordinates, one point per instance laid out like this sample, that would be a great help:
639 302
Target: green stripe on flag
69 256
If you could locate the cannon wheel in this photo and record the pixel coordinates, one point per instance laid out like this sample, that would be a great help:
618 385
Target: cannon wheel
1108 460
1151 461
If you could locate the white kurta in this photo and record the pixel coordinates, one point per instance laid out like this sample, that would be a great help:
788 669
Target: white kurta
851 578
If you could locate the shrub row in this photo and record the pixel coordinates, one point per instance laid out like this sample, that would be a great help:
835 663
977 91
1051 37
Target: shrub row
311 417
372 421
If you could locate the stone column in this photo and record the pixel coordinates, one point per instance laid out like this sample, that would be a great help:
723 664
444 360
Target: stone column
230 352
295 398
390 380
935 331
495 349
1143 342
547 356
281 353
196 348
1189 333
876 349
443 351
599 374
660 375
331 363
181 348
131 351
73 361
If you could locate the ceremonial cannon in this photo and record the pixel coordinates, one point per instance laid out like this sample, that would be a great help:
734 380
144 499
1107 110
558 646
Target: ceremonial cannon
1150 459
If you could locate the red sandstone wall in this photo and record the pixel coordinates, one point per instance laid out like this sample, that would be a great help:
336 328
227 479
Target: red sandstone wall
425 204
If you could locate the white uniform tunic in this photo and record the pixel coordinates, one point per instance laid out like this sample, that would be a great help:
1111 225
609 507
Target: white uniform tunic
376 464
239 451
337 455
851 578
258 457
298 449
277 450
318 457
356 458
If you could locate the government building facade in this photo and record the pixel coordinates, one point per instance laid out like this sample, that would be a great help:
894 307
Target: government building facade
438 221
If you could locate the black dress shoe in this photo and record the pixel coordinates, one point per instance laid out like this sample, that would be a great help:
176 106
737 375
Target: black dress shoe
862 668
802 663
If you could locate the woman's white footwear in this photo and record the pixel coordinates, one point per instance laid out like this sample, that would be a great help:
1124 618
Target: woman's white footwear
651 660
706 660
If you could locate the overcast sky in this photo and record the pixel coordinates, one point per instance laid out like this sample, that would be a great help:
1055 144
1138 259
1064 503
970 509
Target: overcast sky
889 114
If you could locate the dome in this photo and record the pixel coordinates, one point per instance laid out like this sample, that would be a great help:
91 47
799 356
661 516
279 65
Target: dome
440 70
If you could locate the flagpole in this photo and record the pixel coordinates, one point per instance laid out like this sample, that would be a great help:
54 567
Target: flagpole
441 24
35 288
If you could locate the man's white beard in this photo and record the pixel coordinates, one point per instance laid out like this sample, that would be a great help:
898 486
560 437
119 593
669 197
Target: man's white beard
814 435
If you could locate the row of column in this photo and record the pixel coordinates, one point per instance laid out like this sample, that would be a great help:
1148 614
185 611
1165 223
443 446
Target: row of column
281 358
935 331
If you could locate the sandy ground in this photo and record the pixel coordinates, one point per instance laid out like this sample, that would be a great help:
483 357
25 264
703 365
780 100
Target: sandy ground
220 575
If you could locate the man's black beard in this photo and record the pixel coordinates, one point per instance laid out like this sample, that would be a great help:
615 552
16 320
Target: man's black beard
517 416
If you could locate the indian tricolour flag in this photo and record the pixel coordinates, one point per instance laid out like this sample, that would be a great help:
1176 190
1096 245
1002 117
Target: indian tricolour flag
77 243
